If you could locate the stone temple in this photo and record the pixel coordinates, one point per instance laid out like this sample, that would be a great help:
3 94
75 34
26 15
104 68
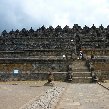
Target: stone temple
31 54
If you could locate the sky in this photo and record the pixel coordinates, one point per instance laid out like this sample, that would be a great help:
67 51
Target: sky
18 14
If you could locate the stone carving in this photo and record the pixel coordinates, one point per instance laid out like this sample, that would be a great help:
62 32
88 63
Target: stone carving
69 77
50 79
56 38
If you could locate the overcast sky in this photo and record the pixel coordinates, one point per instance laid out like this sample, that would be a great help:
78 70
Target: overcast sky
35 13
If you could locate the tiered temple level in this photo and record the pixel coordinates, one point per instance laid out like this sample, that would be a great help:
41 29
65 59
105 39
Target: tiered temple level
49 49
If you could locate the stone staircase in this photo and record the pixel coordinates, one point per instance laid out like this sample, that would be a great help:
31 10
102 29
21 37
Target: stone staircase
80 72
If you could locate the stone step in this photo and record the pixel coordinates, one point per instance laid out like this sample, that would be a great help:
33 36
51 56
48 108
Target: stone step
80 67
81 74
80 70
81 62
81 79
78 63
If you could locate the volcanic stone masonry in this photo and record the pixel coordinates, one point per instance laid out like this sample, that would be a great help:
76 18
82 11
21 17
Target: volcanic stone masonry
29 54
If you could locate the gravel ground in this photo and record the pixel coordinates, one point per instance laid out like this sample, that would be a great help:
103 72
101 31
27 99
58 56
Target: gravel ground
13 95
34 95
46 101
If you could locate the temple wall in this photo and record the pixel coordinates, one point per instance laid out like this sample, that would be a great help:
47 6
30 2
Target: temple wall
8 68
101 69
37 53
96 52
58 76
32 71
